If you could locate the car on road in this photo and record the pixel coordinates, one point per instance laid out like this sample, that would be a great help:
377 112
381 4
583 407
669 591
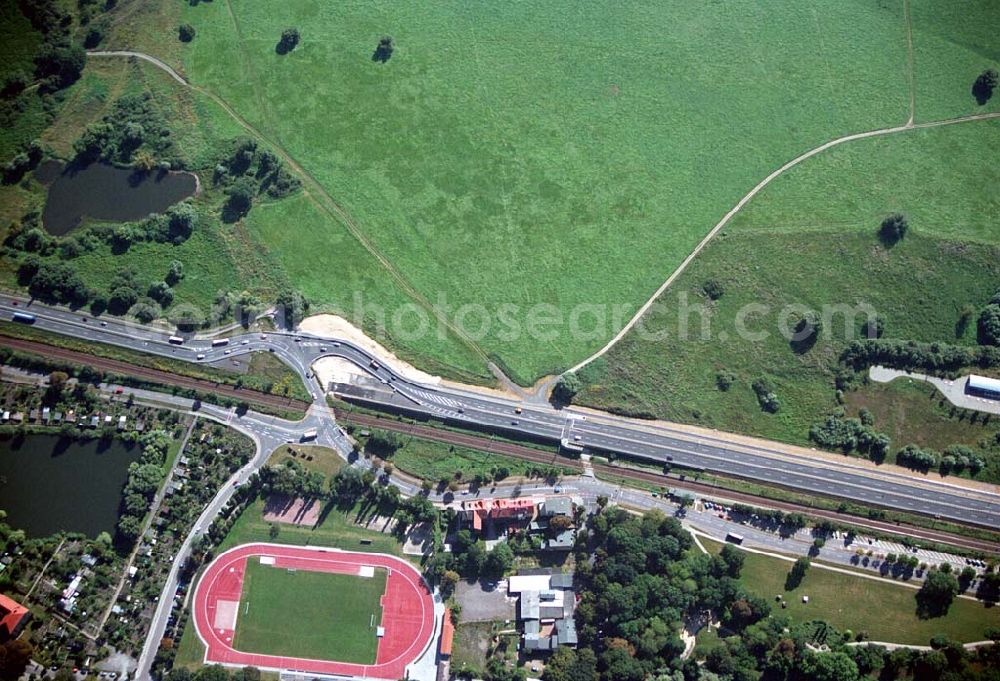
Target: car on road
513 422
104 323
244 342
201 356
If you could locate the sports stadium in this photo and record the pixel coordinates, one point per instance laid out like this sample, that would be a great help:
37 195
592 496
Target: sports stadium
313 610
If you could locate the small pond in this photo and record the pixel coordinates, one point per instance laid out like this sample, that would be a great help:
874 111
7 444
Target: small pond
49 483
103 192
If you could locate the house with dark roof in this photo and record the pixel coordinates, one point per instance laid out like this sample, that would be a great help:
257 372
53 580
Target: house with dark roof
546 603
554 506
13 618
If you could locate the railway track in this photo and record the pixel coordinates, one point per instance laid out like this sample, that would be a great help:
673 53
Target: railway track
547 458
484 444
925 534
155 375
461 439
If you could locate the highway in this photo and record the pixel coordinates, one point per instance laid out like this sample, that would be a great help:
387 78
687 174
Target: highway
652 442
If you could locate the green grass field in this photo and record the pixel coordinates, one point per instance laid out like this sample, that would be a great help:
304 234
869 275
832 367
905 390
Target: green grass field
526 170
809 239
952 44
468 161
337 529
314 615
312 457
431 460
886 611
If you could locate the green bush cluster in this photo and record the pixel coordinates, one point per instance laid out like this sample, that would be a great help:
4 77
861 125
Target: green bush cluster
848 435
956 458
988 327
248 172
291 479
914 355
764 391
144 478
134 124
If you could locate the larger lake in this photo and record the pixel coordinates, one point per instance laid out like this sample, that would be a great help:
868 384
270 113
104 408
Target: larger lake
103 192
49 483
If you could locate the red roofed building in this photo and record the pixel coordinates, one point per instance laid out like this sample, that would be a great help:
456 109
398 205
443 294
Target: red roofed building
479 511
13 617
447 634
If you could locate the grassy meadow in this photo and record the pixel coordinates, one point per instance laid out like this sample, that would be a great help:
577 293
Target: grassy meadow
810 239
518 154
886 611
546 153
952 44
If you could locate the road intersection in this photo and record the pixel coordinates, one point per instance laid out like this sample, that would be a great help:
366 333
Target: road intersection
654 443
270 432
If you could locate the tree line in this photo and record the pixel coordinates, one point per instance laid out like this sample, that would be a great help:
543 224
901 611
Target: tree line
144 477
643 579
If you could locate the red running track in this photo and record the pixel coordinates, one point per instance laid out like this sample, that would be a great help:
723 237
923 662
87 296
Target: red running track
407 609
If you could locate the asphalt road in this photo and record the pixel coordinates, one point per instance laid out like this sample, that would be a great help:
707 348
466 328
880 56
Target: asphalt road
645 441
270 432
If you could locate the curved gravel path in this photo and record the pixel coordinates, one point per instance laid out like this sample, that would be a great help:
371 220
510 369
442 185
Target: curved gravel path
756 190
328 205
352 227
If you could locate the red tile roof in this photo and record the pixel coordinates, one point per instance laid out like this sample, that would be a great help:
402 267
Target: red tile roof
482 509
447 633
11 615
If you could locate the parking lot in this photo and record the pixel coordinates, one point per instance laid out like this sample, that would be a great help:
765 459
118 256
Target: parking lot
484 603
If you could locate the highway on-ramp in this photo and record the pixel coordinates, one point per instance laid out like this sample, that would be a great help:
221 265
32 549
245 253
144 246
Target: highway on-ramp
652 442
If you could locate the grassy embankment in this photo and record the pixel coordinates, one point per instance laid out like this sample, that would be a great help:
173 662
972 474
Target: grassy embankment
886 611
618 146
312 457
809 239
430 460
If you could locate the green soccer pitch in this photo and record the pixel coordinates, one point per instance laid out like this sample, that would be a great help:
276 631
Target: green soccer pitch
315 615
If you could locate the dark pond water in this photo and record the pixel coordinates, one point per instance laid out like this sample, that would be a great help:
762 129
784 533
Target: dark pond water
103 192
48 483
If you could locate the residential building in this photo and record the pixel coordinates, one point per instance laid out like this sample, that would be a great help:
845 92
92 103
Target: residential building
13 617
546 603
